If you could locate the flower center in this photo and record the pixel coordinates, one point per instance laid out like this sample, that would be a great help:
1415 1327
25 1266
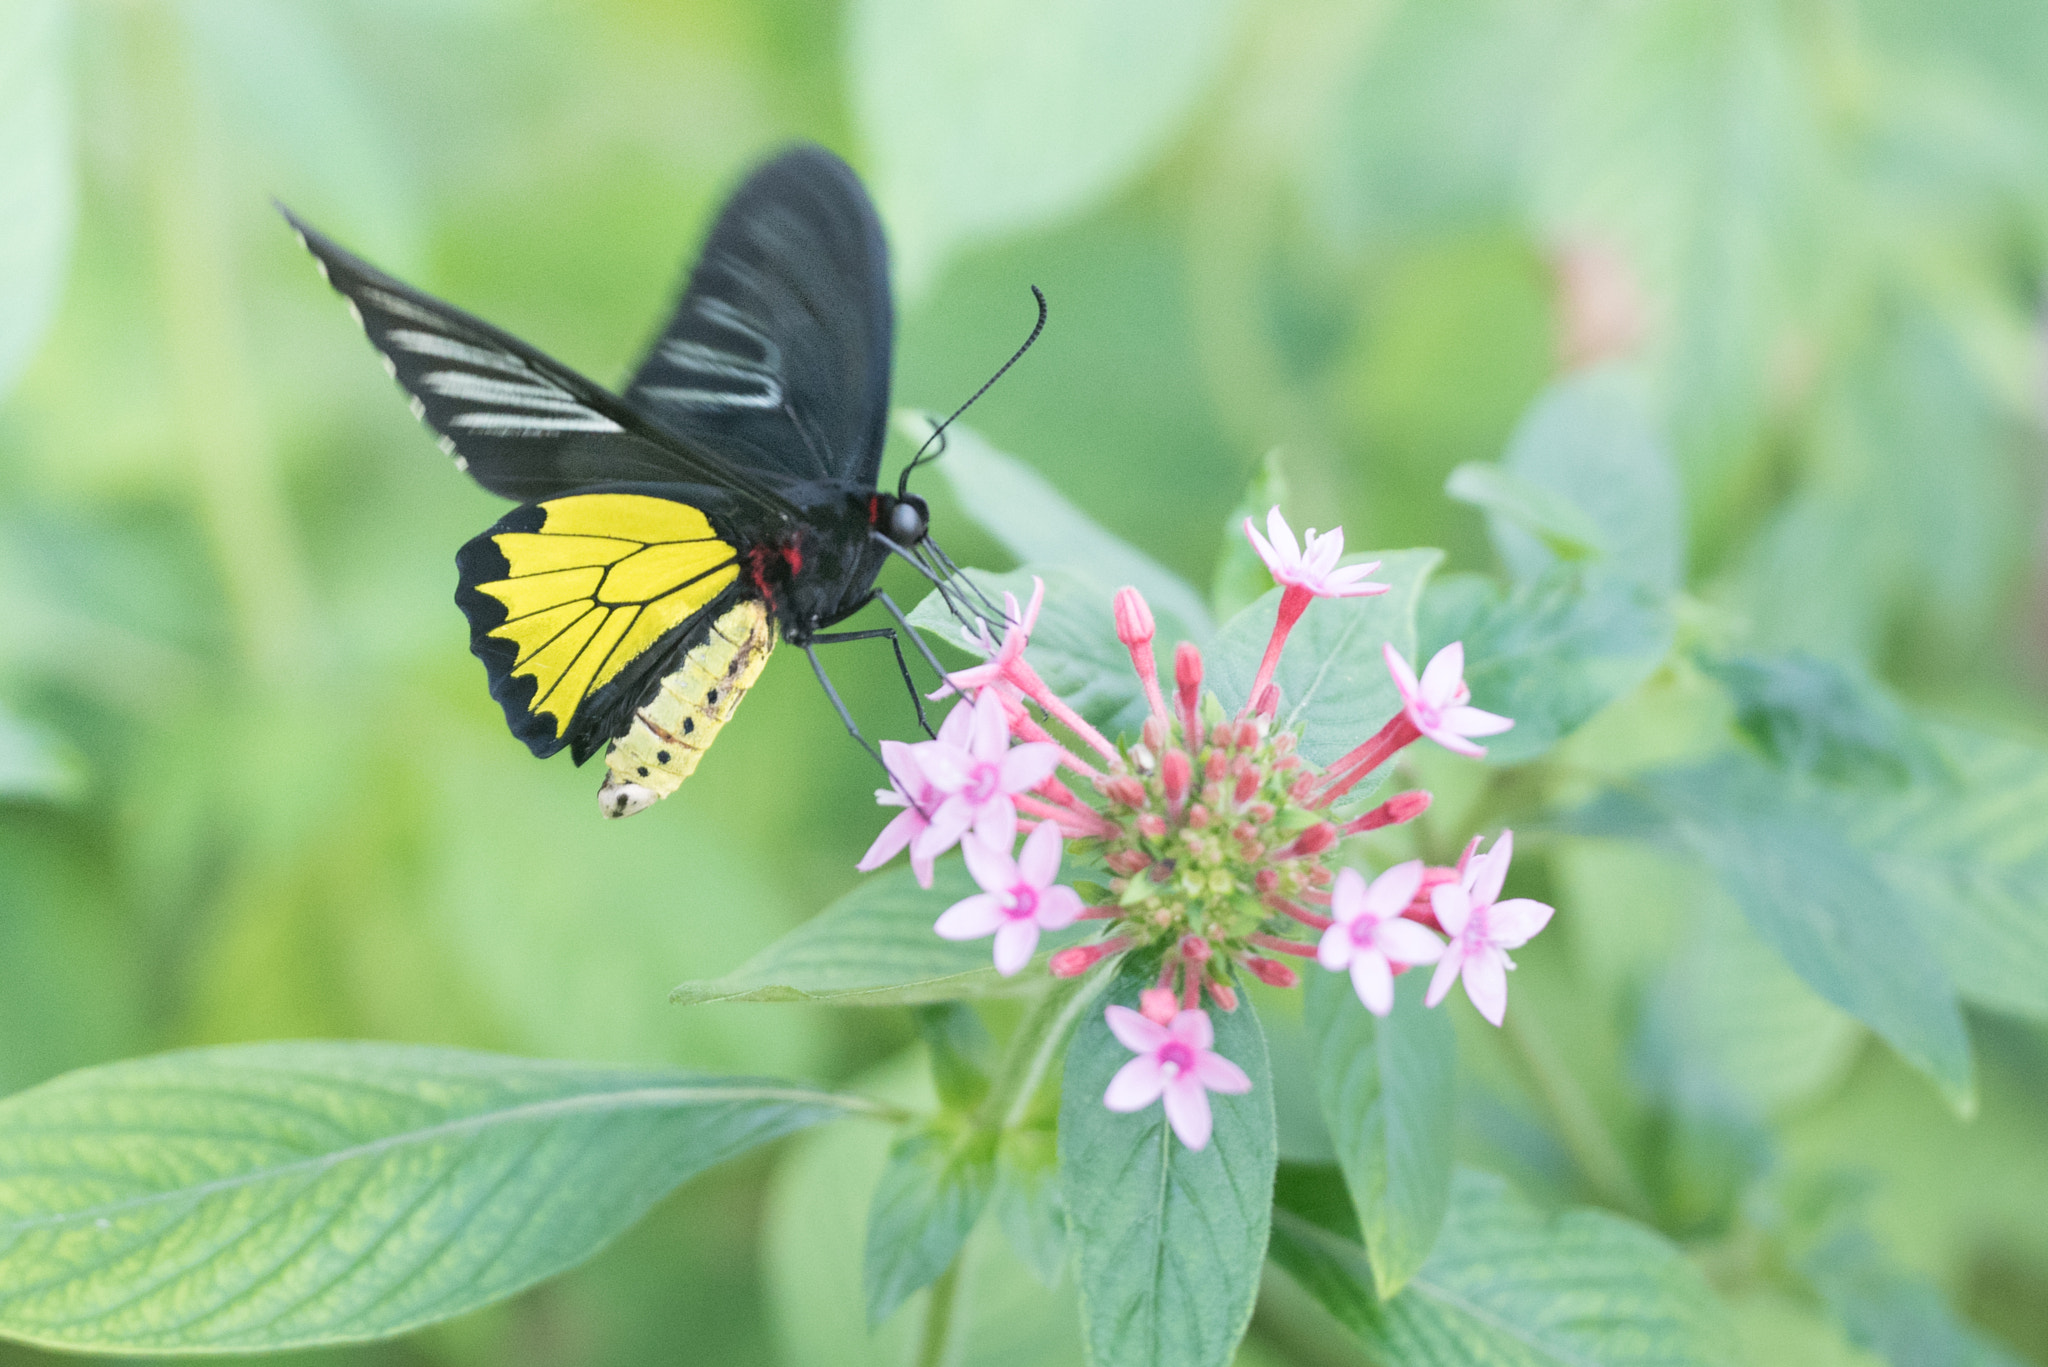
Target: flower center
1023 903
1361 931
1176 1058
1427 716
983 783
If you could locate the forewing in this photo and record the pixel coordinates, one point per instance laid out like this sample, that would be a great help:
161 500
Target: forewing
575 603
778 354
522 424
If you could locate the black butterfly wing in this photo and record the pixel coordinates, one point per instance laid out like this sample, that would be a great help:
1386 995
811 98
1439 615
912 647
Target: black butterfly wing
522 424
777 356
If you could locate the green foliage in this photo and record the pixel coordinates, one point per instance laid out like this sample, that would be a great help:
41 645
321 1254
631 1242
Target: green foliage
37 179
1389 1094
1168 1241
1812 896
1550 651
1509 1284
934 1188
872 947
278 1195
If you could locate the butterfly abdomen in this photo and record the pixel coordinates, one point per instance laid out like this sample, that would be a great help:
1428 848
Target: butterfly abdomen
670 733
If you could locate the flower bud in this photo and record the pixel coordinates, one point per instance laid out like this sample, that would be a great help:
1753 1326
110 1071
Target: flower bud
1194 949
1271 972
1395 810
1128 861
1074 961
1217 764
1153 733
1302 787
1222 734
1267 881
1187 673
1198 816
1152 826
1225 995
1315 839
1133 618
1261 812
1247 735
1269 701
1158 1004
1125 789
1247 786
1175 775
1283 742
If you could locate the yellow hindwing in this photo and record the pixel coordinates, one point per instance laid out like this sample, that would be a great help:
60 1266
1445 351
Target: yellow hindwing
603 579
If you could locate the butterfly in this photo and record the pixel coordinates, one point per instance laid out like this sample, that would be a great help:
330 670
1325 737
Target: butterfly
669 535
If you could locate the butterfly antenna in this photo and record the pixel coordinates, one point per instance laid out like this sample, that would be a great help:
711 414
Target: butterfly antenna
903 483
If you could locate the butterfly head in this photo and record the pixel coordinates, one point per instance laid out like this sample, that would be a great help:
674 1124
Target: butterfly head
905 519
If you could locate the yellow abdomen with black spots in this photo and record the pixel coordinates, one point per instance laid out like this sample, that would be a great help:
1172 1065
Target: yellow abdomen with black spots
671 732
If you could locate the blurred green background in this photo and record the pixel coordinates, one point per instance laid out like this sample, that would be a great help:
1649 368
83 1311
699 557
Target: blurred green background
255 787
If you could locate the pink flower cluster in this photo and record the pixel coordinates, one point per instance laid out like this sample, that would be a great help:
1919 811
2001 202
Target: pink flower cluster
1219 841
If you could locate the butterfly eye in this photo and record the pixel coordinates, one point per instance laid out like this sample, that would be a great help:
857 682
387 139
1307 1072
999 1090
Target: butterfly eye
907 523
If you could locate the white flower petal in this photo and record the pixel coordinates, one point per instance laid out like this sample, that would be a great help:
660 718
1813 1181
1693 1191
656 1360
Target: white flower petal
1373 979
1133 1031
991 731
1192 1028
1446 974
1136 1085
1058 908
1348 898
1485 880
1333 951
1444 674
1453 907
970 918
894 838
1405 942
1284 544
992 868
1219 1074
1404 677
1015 940
1187 1110
1514 923
1452 741
1393 890
1486 983
995 823
1039 862
1472 721
1028 765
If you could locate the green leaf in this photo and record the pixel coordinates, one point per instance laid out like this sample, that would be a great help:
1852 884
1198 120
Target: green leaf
1825 718
1509 1286
279 1195
1811 895
1169 1240
1551 652
934 1188
33 764
874 947
1241 577
1389 1091
1588 446
1333 675
960 1050
1886 1310
1972 861
1027 1201
38 185
1037 524
985 119
1557 524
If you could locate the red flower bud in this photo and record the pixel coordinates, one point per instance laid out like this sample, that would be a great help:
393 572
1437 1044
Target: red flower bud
1266 881
1158 1004
1222 735
1269 701
1128 861
1395 810
1315 839
1154 734
1217 764
1133 618
1198 816
1283 742
1247 735
1247 786
1225 995
1152 825
1271 972
1175 775
1187 672
1261 812
1194 949
1125 789
1073 962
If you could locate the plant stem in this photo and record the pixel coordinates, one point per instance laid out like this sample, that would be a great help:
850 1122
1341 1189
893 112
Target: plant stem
1033 1047
935 1338
1579 1125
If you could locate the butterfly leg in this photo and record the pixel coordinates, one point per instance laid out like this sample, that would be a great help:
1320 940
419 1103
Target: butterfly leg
902 667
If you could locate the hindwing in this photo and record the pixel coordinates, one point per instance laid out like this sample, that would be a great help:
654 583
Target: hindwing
576 604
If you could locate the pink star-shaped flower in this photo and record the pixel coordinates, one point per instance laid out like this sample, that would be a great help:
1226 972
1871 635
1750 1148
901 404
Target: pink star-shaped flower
914 793
1173 1060
1368 934
976 772
1018 897
1483 930
995 671
1314 567
1436 703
